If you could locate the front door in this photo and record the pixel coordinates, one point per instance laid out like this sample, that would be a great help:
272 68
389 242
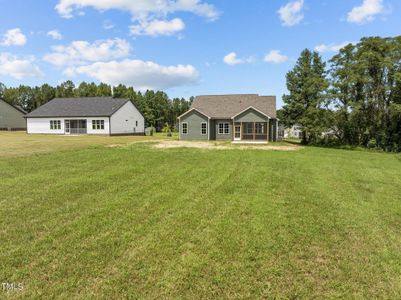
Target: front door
237 132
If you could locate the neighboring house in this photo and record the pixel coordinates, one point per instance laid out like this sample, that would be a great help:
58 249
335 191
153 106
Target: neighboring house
280 131
11 117
248 117
88 115
294 132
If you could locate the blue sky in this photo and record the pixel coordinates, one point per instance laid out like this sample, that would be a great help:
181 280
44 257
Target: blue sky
185 47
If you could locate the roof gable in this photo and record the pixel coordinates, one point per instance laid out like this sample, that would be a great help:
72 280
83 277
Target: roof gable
227 106
18 108
79 107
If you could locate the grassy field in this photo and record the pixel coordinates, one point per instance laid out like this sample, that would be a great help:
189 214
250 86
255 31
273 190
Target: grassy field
94 222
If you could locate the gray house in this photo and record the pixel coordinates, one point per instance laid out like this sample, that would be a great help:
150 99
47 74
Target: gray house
11 117
241 118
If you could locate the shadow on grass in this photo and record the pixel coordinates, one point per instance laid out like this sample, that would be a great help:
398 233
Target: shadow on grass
335 146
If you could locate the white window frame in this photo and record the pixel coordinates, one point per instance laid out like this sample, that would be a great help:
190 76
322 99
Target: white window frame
55 124
223 132
97 124
182 128
204 123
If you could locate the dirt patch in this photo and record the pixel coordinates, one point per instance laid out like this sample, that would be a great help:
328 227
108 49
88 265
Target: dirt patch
223 146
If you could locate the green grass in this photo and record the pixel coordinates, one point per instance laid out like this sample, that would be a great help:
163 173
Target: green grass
138 222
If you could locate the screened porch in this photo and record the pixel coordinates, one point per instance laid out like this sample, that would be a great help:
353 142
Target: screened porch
250 131
75 127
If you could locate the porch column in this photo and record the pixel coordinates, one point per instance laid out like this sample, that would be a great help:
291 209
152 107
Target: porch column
254 129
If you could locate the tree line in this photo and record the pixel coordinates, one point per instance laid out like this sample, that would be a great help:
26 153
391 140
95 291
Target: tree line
355 97
158 109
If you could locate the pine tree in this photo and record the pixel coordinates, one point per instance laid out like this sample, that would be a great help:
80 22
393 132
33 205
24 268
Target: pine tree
304 105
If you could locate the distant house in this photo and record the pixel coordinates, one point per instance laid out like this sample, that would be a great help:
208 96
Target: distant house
241 118
90 115
11 117
294 132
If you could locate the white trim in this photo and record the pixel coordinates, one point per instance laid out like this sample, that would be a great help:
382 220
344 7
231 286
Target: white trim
181 129
249 107
179 117
218 128
201 129
240 132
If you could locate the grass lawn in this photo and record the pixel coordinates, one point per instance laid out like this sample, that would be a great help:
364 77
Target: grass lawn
116 222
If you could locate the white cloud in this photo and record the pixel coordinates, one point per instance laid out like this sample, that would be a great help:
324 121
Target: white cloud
79 52
107 24
140 9
331 47
11 65
232 59
158 27
14 37
291 13
275 57
140 74
366 12
55 34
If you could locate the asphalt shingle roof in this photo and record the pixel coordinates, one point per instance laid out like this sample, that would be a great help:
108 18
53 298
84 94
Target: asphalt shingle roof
79 107
227 106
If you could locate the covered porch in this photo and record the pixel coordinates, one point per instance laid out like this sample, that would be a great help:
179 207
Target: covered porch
76 126
251 132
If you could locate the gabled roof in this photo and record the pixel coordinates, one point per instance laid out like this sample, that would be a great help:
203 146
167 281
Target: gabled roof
227 106
193 109
253 108
79 107
19 108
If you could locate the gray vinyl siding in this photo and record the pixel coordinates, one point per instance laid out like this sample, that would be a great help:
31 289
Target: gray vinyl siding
194 120
223 136
251 115
10 117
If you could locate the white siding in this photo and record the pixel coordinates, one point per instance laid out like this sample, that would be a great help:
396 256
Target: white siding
106 129
42 125
124 120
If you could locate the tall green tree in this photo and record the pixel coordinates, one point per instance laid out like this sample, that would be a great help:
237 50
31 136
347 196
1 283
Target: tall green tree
306 101
366 92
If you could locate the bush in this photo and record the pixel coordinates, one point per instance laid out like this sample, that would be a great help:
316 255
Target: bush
372 143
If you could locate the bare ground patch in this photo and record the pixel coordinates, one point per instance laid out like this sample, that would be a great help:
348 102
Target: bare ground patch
223 146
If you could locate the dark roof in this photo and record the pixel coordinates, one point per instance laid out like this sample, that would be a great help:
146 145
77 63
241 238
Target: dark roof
19 108
79 107
227 106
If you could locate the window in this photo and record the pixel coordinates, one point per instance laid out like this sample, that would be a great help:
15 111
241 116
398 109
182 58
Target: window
224 128
55 124
97 124
136 123
203 128
249 128
184 128
259 128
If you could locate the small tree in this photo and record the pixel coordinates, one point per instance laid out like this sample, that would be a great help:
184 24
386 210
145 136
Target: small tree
167 130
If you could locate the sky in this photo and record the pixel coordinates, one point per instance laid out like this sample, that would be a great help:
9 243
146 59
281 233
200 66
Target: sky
183 47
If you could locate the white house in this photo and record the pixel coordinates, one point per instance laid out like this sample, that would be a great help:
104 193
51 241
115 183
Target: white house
294 132
88 115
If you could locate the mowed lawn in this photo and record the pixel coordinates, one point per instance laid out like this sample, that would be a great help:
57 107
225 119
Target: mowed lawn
100 222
